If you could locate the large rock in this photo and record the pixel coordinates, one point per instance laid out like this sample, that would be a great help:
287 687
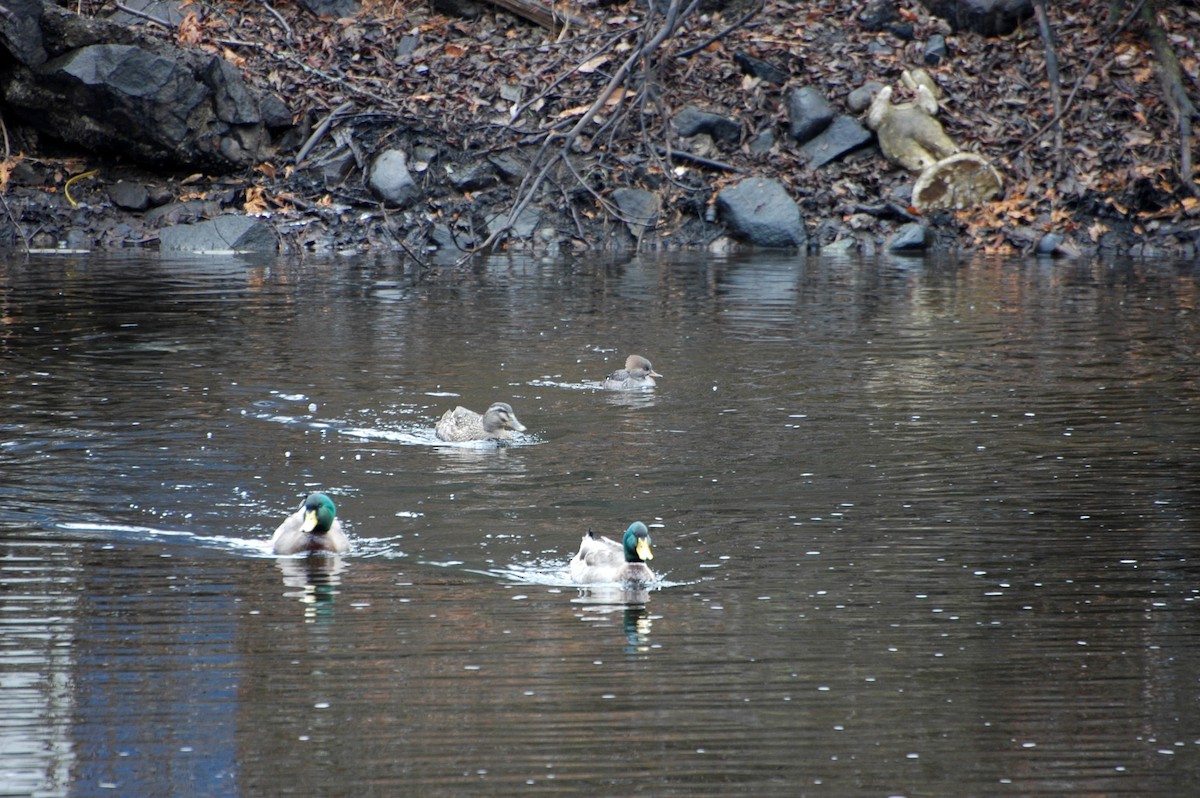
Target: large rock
21 31
843 136
639 210
761 212
100 86
692 122
389 179
223 235
809 113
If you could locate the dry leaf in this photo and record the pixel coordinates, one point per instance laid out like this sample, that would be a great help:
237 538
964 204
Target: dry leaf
189 31
256 200
592 64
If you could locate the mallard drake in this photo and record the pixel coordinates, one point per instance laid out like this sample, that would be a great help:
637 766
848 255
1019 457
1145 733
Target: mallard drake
461 424
637 374
314 527
602 559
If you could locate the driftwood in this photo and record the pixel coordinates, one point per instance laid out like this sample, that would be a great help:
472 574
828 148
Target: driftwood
539 13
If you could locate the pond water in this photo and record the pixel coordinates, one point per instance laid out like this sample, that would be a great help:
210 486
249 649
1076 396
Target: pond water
923 528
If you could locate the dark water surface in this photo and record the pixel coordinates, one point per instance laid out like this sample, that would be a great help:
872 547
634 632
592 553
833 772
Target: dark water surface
925 529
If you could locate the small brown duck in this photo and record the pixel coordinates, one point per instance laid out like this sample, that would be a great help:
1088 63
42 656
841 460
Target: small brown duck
314 527
461 424
637 375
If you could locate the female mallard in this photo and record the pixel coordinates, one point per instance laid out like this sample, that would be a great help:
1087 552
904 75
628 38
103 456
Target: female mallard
314 527
637 374
602 559
461 424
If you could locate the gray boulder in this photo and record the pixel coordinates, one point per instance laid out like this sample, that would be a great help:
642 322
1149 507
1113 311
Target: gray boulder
223 235
912 237
809 113
389 179
639 209
843 136
693 121
100 86
761 212
130 196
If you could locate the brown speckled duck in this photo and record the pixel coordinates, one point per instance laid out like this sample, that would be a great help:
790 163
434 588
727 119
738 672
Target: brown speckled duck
461 424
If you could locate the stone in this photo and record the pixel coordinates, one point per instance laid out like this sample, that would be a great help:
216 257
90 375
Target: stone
472 177
509 168
860 99
1049 244
809 113
173 213
841 246
170 11
884 16
761 212
912 237
445 238
935 50
692 121
388 178
77 240
523 226
639 210
844 135
275 113
760 69
21 32
226 234
763 142
336 167
130 196
878 14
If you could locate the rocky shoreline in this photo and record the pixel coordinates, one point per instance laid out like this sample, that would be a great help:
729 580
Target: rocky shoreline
438 131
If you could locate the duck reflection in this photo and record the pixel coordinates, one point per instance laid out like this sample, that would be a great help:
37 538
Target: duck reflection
631 602
315 579
481 459
631 399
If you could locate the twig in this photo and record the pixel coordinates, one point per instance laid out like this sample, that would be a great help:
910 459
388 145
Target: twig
684 155
287 29
1087 70
722 34
4 194
144 15
321 130
533 181
1055 81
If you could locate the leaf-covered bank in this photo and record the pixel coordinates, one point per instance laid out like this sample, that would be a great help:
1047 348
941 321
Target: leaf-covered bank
517 136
